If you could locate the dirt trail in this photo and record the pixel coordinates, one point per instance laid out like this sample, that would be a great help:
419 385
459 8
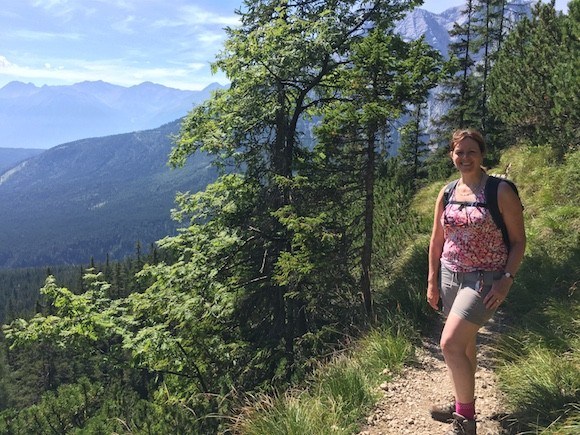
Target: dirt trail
404 408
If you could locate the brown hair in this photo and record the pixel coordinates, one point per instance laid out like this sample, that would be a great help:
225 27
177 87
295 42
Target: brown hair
459 135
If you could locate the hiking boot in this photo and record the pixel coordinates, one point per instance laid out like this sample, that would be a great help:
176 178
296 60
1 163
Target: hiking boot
462 426
443 413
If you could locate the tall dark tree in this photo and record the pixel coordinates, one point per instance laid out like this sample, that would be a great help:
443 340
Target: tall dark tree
4 395
426 71
458 93
283 62
488 28
385 78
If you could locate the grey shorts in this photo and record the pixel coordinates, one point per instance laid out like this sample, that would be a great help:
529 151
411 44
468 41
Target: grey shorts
462 294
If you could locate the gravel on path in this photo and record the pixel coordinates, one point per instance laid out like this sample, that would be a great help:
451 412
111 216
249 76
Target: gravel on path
404 407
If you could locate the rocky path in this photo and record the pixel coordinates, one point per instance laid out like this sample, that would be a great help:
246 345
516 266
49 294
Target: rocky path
404 408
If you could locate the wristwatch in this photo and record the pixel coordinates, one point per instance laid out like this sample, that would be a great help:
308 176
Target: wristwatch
508 275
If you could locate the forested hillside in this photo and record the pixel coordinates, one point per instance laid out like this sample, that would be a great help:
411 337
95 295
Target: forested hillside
306 249
94 198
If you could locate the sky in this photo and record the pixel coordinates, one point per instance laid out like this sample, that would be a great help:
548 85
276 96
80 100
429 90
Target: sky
124 42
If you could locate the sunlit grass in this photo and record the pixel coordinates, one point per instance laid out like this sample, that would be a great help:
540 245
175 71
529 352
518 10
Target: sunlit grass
385 349
340 393
542 386
293 414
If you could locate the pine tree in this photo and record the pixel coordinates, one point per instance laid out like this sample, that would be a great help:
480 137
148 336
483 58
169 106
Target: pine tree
458 89
427 70
536 77
386 76
283 63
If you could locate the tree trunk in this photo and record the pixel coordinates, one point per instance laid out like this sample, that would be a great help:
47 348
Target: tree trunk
366 257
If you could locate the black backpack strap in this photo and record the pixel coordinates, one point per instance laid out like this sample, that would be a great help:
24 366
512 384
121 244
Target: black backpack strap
491 189
447 192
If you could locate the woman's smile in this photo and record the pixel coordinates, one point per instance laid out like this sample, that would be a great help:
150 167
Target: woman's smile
467 155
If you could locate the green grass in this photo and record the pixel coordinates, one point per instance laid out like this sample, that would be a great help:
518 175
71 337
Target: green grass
339 395
543 386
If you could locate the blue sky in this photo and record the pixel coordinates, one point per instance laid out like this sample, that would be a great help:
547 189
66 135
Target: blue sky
125 42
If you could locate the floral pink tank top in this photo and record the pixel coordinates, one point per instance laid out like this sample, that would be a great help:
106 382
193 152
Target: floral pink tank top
472 240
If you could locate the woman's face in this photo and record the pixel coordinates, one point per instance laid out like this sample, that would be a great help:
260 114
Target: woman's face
467 156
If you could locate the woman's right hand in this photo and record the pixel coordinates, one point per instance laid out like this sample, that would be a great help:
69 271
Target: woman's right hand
433 296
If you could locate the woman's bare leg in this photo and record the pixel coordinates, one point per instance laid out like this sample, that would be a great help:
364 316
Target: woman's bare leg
458 344
472 353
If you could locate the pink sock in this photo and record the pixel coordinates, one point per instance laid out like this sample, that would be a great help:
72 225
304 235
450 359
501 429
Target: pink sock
467 410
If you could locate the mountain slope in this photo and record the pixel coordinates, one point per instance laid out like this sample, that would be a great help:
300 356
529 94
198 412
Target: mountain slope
93 197
10 157
436 27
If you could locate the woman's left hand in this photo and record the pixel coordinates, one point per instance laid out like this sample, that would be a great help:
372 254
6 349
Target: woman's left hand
498 293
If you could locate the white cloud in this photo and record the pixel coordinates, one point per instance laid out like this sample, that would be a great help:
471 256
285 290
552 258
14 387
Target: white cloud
48 4
4 63
33 35
119 41
125 25
210 37
62 9
193 15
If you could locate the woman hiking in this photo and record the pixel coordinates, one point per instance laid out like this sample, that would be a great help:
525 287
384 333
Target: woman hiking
471 268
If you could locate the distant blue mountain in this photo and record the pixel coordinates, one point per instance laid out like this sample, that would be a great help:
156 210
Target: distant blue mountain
42 117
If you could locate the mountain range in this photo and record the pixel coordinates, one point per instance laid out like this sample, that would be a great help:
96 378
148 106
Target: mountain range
435 27
46 116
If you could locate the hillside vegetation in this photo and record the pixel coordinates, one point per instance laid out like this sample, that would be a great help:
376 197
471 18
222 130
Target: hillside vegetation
538 359
303 269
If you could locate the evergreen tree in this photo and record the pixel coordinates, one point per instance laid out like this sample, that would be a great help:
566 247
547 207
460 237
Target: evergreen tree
536 77
488 28
426 71
474 50
283 63
4 397
385 77
458 90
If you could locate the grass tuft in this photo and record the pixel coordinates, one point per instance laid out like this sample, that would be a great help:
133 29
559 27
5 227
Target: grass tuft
543 385
341 392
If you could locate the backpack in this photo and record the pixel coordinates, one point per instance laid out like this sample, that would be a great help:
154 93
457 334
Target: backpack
491 203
